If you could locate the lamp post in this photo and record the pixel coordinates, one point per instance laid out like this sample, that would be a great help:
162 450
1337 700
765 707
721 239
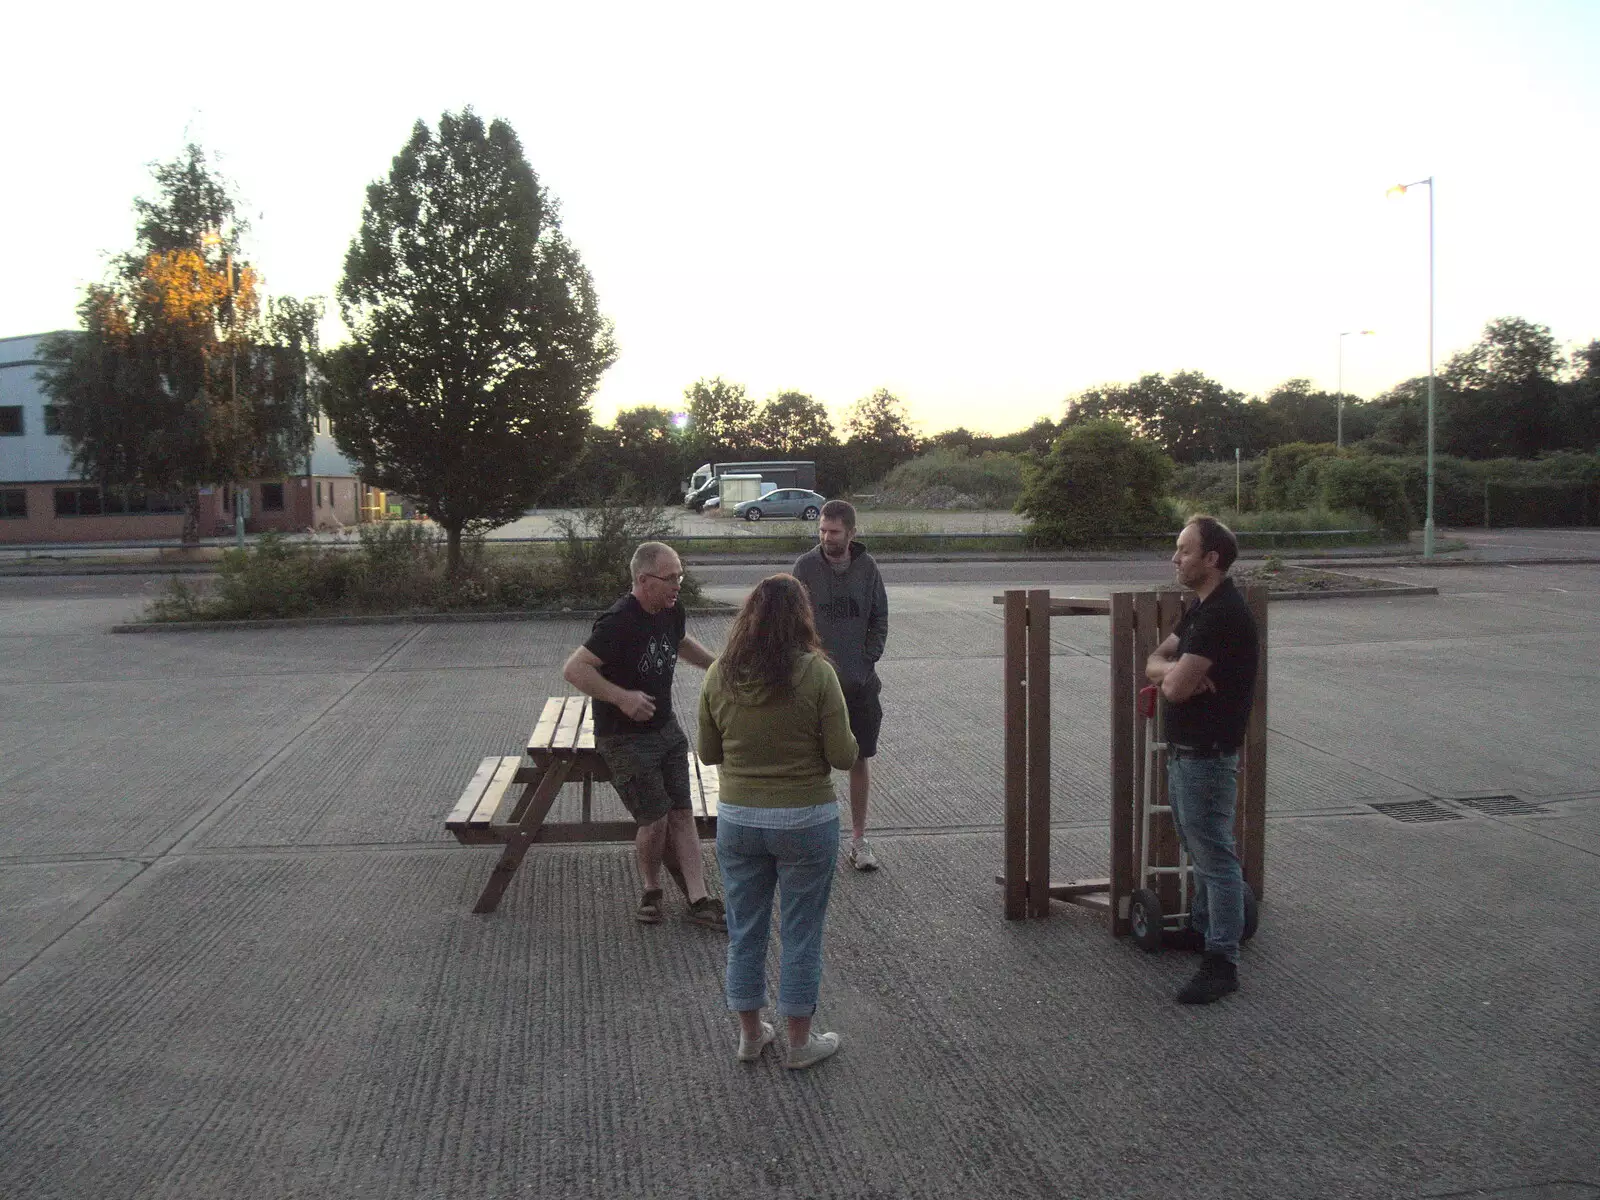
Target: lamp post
1400 189
241 498
1339 439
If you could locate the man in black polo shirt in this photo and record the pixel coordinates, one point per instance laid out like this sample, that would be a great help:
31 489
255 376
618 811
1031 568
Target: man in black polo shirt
1207 674
627 666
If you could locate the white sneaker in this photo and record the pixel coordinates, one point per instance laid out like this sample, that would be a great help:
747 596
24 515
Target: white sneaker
861 856
750 1051
818 1047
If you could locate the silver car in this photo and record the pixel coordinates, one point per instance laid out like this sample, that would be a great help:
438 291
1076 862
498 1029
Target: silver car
783 502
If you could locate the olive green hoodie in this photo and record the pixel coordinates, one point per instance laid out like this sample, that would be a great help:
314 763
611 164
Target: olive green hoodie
777 753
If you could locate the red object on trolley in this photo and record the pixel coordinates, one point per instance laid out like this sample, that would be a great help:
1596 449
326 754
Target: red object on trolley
1147 701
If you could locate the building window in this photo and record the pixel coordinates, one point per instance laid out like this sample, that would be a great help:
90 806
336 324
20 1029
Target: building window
11 420
13 503
137 501
78 502
272 497
92 502
52 420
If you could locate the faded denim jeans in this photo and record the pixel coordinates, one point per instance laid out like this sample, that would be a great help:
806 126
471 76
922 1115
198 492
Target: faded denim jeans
797 864
1203 793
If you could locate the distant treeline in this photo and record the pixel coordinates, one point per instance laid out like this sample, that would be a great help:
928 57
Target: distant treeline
1510 396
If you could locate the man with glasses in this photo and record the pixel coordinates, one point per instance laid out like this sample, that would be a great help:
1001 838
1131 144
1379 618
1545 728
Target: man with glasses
626 666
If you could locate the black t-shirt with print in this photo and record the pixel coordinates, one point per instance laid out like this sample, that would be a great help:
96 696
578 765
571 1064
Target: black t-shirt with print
637 651
1222 629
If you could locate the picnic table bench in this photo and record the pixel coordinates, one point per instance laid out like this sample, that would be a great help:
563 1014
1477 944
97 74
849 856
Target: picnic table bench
493 811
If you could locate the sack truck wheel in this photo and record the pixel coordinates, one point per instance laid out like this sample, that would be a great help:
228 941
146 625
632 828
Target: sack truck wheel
810 514
1144 917
752 514
1252 914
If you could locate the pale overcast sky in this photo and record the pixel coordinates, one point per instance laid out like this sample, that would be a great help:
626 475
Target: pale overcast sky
984 208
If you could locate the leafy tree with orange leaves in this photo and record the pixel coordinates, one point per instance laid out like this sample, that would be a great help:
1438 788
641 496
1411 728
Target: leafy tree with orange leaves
183 375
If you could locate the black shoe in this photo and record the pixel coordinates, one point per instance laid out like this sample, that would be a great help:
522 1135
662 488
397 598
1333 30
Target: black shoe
1214 980
1187 939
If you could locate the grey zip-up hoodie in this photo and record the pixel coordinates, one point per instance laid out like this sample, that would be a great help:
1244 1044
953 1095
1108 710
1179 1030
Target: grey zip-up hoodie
852 611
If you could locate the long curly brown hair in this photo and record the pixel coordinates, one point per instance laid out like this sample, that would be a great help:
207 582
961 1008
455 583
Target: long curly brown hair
772 630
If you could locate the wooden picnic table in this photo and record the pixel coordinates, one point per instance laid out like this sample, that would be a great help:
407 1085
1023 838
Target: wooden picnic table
491 811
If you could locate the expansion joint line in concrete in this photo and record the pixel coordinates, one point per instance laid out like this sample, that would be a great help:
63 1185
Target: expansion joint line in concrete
186 838
180 846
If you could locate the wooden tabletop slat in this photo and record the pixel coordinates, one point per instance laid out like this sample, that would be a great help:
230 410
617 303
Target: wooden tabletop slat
586 730
539 739
566 737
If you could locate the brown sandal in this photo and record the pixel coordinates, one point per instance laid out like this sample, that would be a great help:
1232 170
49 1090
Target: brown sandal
649 910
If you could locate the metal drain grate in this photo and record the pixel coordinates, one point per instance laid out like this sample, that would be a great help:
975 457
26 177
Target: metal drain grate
1416 810
1498 806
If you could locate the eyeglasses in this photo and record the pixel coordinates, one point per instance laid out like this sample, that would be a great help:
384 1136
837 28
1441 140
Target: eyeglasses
674 580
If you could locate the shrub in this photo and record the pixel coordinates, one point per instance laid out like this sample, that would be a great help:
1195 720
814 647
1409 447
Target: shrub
950 477
1459 488
398 568
1369 486
1208 486
1282 484
1099 481
269 579
404 566
1312 518
179 600
597 546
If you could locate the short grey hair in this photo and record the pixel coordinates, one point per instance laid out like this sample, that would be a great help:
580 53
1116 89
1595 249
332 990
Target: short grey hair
646 557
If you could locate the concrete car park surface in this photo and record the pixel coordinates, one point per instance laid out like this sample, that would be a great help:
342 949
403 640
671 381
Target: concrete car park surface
237 955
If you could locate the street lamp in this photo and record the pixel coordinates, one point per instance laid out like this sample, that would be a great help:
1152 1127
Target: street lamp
1342 336
1400 189
213 237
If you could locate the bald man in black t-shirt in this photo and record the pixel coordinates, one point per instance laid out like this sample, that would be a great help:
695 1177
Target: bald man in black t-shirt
627 667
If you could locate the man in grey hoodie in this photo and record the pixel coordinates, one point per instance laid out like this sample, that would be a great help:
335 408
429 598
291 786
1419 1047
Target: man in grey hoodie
852 613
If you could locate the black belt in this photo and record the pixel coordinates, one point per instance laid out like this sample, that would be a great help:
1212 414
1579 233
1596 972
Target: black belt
1178 751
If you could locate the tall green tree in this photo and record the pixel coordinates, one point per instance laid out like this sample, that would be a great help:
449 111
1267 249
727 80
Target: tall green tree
793 423
1499 396
880 435
651 454
646 426
722 418
1193 418
184 375
476 338
1402 418
1578 406
1100 480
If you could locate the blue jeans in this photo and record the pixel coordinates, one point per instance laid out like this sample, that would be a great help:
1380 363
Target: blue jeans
798 864
1203 792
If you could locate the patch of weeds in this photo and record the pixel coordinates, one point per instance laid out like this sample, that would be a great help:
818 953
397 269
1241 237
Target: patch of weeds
597 548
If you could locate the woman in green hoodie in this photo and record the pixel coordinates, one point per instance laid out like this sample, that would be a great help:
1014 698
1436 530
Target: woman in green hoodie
773 716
